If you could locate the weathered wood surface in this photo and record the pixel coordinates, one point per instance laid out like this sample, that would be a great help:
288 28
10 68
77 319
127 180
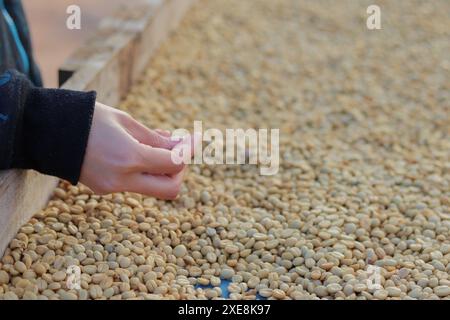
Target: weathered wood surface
115 57
108 63
22 193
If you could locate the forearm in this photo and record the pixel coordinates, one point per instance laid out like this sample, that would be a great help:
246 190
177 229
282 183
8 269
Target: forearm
43 129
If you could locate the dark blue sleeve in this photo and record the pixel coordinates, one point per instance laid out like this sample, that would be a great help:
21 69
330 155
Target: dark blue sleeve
43 129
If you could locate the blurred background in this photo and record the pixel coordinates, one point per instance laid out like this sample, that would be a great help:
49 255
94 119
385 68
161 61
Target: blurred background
52 41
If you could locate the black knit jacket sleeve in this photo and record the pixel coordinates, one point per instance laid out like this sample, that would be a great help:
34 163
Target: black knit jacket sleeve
43 129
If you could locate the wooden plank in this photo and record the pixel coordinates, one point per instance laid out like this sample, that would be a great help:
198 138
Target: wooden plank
109 63
115 57
22 193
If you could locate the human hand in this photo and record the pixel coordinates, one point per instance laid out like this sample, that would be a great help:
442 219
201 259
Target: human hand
124 155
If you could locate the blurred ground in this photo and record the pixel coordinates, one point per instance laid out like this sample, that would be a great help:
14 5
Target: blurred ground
53 42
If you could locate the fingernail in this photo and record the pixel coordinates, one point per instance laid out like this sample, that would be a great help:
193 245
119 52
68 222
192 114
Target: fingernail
165 133
176 138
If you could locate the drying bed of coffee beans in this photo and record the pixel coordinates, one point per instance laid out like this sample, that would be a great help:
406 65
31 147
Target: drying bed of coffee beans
360 208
